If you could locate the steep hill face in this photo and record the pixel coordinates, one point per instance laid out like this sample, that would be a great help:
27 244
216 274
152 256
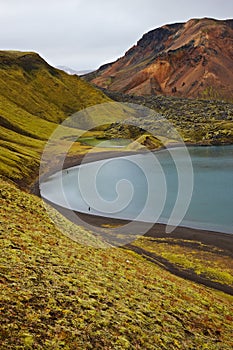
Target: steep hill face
34 98
56 293
192 59
31 84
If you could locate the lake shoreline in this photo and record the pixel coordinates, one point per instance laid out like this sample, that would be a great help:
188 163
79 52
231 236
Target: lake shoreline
198 240
218 239
101 155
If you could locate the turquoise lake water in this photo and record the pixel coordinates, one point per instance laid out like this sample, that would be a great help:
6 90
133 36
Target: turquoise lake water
97 188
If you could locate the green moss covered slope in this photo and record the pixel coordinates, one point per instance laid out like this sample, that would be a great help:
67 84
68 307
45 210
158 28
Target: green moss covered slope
34 98
58 294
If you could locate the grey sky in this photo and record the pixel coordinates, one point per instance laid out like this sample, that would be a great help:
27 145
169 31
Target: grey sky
84 34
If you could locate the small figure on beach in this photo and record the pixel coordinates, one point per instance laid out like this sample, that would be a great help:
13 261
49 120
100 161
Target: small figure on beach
89 208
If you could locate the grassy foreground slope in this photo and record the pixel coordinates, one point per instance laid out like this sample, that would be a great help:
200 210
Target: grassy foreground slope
34 99
57 294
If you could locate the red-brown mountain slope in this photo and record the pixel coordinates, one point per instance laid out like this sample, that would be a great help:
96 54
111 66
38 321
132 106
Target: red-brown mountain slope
192 59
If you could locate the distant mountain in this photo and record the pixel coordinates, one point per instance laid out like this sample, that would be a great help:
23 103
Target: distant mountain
73 72
192 59
68 70
83 72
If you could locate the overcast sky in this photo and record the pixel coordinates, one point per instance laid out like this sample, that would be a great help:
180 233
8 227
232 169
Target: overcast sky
84 34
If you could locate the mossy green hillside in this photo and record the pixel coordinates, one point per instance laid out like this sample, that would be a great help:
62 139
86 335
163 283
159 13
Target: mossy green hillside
34 98
58 294
42 90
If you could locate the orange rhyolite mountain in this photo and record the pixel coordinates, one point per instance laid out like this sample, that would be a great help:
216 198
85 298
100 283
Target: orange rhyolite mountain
192 59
